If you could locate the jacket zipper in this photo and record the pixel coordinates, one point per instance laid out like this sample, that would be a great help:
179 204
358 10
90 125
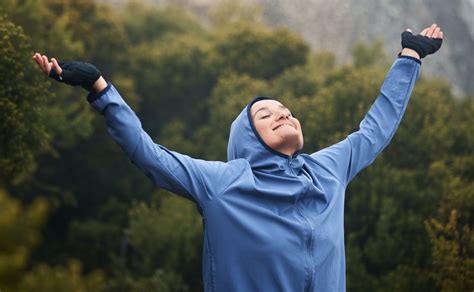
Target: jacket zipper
310 252
310 240
290 160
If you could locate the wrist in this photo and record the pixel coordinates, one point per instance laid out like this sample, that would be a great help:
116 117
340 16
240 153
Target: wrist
410 53
99 85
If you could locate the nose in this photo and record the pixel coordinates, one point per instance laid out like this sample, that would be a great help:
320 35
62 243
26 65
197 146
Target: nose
283 115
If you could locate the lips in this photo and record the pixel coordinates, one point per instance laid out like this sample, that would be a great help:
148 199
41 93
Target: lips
281 125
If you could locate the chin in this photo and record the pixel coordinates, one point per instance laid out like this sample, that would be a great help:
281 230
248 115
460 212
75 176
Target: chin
290 142
298 143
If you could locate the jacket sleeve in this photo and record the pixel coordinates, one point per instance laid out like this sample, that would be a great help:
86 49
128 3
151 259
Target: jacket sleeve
348 157
195 179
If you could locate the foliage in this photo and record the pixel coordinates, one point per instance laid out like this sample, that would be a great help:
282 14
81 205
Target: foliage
173 77
163 281
257 51
156 23
19 234
232 11
452 253
22 125
65 118
368 56
168 237
46 279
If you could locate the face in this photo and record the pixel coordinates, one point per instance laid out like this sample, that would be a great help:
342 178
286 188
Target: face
276 126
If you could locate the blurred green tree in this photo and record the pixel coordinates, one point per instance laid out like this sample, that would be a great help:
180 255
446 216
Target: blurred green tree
174 78
162 281
233 11
23 134
65 117
19 235
168 238
146 23
257 51
43 278
452 250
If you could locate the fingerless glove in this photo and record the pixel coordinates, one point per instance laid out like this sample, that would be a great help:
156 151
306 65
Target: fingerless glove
77 73
421 44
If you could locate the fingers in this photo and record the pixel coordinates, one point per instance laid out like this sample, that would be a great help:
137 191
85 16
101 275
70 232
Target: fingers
431 30
423 32
56 66
438 34
434 31
45 65
42 62
39 60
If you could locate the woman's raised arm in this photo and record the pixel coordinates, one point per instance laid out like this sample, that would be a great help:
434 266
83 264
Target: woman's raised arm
348 157
196 179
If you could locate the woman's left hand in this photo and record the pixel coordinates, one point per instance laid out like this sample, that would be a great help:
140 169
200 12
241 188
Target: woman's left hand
427 42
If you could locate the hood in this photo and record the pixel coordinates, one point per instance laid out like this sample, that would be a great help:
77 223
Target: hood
244 142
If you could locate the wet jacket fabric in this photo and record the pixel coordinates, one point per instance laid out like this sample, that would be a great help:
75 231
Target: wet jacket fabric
271 222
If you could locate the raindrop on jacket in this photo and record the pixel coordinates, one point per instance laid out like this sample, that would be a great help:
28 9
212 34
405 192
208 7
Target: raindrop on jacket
271 222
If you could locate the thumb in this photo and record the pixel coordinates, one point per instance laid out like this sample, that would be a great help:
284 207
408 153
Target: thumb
56 67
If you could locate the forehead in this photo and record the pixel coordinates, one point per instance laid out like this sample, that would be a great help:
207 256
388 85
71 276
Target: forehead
268 103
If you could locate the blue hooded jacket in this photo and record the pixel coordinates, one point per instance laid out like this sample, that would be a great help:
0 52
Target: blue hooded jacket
272 222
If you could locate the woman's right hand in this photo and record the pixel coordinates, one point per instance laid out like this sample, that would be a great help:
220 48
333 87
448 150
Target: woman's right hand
46 66
72 72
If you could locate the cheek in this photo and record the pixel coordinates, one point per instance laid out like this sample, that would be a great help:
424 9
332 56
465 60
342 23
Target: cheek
300 131
264 131
258 127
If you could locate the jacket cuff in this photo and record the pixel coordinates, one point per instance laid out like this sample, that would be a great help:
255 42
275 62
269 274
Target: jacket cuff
93 96
411 58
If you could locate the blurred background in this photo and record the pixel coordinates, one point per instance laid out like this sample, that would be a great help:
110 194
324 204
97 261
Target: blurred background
76 215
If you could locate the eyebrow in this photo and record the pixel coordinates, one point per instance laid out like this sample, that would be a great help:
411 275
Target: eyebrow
266 108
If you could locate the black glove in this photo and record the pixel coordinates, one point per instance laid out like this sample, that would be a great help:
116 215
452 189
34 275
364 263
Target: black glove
420 44
77 73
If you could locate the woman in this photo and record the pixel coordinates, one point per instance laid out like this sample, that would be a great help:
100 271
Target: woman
273 217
